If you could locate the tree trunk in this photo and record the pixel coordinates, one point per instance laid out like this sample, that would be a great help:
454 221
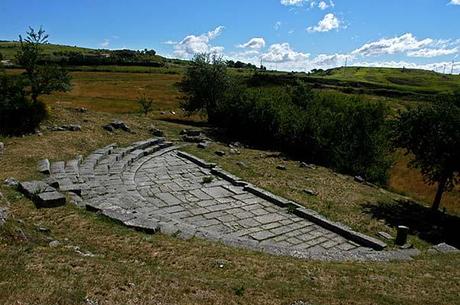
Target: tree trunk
440 191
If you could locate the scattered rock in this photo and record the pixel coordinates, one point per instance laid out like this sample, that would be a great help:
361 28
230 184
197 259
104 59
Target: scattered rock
163 113
2 148
70 127
75 199
235 151
235 145
88 301
3 216
445 248
202 145
173 112
82 110
310 192
54 243
156 132
359 179
220 153
271 155
109 127
43 166
281 167
242 164
221 263
193 139
43 230
385 235
11 182
191 132
406 246
80 252
120 125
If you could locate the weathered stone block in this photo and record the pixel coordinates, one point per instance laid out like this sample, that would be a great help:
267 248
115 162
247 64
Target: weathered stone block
43 166
50 200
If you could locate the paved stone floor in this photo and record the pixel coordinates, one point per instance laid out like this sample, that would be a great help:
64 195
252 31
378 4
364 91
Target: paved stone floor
150 186
174 186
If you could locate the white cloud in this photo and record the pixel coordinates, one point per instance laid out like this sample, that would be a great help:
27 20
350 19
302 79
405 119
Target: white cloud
192 44
455 2
328 23
385 46
277 25
105 43
322 5
254 43
292 2
282 52
432 52
170 42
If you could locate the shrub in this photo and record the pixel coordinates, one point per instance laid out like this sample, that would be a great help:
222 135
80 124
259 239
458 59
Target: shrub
18 114
145 104
345 133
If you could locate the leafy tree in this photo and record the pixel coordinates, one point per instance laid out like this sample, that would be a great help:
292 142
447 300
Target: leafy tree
145 104
41 79
205 85
432 135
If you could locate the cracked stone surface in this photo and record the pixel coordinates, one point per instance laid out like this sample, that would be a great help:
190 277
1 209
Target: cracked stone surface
151 187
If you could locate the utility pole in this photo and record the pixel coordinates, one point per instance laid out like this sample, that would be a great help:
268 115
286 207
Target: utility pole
445 66
452 69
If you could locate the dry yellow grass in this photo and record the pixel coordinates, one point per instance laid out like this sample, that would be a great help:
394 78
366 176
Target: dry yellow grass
135 268
409 181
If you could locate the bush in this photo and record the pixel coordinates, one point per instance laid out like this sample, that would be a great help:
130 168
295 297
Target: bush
145 104
18 114
345 133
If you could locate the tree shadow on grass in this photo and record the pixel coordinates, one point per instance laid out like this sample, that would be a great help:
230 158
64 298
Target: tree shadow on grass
433 227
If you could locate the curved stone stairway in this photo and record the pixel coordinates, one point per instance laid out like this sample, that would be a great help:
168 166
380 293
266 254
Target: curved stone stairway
150 186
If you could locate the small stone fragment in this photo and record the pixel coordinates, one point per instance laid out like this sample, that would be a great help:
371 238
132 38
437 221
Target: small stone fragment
43 230
359 179
242 164
3 216
235 151
306 165
310 192
156 132
281 167
202 145
220 153
11 182
385 235
120 125
82 109
54 243
109 127
2 148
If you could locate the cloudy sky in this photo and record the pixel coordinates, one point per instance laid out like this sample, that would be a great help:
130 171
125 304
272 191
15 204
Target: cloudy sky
287 35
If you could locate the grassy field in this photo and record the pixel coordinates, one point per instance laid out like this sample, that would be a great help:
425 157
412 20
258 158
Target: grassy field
402 79
115 265
134 268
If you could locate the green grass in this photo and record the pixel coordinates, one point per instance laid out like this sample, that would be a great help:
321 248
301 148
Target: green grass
132 267
404 80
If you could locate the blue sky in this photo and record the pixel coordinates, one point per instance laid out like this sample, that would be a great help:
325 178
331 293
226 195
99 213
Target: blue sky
283 34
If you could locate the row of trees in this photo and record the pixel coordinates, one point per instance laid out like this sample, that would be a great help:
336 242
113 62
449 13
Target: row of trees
20 109
349 134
